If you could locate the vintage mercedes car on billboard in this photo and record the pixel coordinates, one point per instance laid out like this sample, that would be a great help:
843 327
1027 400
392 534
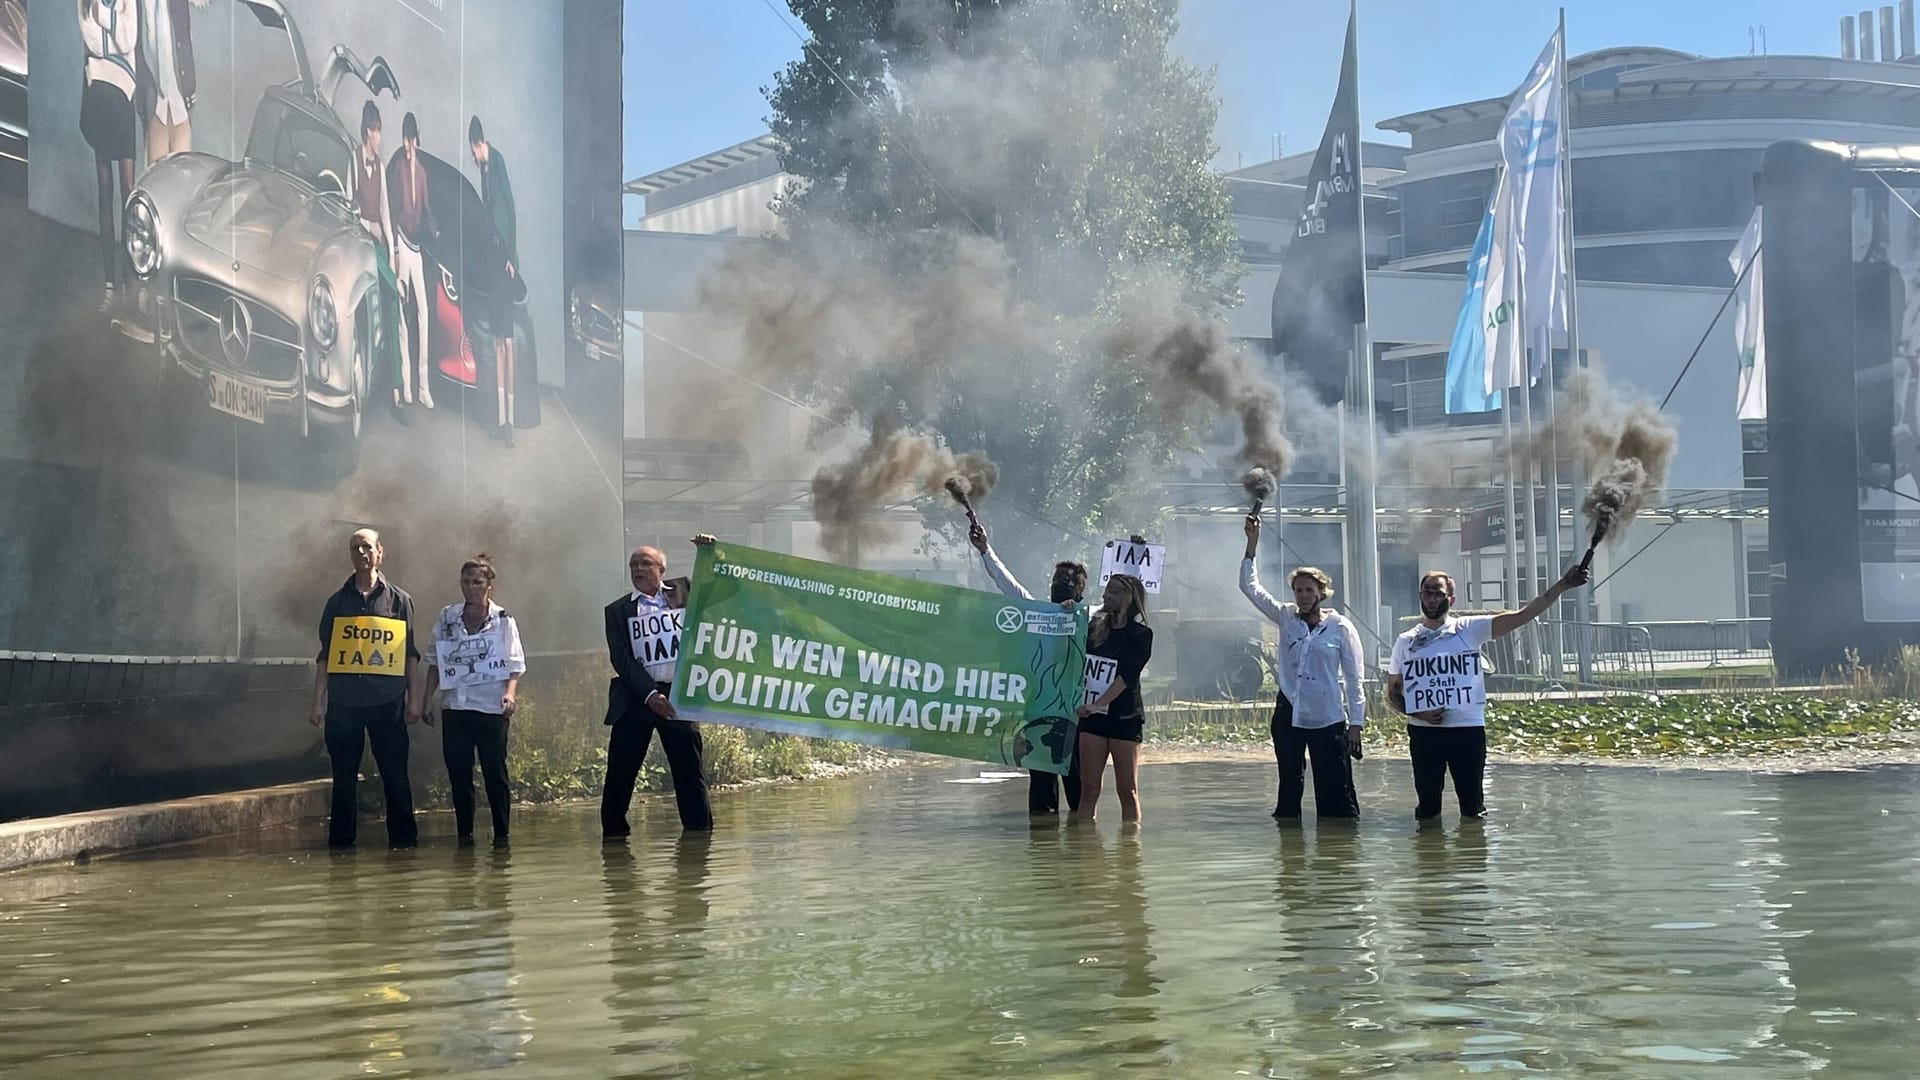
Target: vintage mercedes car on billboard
256 275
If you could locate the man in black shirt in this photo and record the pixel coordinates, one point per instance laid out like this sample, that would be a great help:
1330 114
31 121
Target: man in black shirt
366 689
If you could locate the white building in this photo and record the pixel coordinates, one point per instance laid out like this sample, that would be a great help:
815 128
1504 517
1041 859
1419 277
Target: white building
1664 150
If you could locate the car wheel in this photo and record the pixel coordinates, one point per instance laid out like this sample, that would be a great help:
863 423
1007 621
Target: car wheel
1241 675
366 342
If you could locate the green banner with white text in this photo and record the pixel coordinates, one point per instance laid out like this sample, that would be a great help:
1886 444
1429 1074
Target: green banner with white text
809 648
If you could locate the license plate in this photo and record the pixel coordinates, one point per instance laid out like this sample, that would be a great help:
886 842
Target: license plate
237 397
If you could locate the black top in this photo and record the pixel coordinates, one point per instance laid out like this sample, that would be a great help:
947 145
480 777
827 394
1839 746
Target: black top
1131 646
632 686
386 601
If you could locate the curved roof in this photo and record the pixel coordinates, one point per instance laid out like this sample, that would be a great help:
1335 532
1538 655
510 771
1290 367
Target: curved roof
1643 71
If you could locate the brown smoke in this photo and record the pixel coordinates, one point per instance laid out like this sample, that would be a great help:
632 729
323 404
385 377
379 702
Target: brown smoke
1193 364
893 463
1258 483
427 531
1624 442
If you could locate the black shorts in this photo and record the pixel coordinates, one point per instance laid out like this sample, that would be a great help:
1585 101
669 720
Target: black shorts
1123 728
106 119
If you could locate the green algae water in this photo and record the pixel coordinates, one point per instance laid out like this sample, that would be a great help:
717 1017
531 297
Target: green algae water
1605 922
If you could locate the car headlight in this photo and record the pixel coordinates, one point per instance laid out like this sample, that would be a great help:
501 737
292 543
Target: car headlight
143 235
322 321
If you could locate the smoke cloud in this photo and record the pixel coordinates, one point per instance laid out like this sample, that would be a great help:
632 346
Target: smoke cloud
892 463
1622 440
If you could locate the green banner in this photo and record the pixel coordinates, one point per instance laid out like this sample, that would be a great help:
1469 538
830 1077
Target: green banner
809 648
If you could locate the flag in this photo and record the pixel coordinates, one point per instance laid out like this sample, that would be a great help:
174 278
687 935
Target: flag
1467 356
1322 292
1749 323
1527 261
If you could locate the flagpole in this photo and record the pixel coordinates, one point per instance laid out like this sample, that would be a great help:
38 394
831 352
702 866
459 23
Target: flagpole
1363 575
1583 600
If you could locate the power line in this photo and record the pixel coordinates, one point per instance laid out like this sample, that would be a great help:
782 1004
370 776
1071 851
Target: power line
1731 293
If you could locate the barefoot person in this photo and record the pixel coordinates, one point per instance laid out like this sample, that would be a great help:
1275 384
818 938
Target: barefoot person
1069 586
1113 722
478 661
1437 681
1321 706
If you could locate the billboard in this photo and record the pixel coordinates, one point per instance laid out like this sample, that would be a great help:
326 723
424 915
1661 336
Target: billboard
1843 349
1886 256
266 286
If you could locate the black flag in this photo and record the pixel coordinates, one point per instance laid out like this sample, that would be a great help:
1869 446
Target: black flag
1322 292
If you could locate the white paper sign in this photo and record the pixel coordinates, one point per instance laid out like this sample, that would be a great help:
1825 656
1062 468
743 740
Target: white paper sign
1444 680
1143 561
1100 673
656 639
471 661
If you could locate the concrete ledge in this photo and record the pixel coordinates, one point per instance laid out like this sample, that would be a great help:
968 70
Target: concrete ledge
58 839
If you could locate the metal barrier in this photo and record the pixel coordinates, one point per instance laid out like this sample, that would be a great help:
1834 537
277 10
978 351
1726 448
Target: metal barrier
1545 656
1711 642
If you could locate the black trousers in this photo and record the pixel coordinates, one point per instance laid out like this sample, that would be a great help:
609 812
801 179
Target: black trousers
627 750
1333 792
1436 752
349 728
465 734
1043 788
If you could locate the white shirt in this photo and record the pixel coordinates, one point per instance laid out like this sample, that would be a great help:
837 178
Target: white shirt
1319 666
647 605
1450 655
170 105
109 32
1003 577
486 696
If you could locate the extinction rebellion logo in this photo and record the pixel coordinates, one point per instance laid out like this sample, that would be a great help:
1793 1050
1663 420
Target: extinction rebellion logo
1009 620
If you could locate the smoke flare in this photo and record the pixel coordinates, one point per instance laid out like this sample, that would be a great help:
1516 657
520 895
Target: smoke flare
1626 444
892 463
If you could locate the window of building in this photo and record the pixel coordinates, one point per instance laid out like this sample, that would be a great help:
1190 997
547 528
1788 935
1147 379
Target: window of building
1753 454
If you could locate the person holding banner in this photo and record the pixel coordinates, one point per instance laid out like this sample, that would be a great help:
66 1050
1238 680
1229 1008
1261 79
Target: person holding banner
1112 721
1437 680
365 681
477 666
1321 707
1069 587
643 643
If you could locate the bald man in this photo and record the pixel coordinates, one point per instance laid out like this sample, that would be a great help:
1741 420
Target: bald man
642 653
367 690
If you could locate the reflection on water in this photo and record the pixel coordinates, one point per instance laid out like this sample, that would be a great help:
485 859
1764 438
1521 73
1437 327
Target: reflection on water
1611 922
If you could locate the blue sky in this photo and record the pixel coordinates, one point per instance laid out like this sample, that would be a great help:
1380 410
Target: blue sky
695 68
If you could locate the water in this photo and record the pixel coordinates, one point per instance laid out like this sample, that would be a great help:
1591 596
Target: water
1608 922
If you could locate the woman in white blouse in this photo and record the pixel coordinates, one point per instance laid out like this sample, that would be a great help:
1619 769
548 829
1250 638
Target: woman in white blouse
477 665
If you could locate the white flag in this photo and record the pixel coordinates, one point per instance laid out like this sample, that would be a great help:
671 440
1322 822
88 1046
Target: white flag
1529 261
1749 323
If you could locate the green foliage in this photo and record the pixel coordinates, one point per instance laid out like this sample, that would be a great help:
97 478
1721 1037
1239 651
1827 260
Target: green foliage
1621 726
1072 139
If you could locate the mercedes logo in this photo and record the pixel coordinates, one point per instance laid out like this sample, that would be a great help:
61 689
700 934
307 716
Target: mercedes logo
236 331
1010 620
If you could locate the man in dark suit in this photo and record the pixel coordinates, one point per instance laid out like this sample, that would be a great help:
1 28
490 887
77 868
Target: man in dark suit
637 699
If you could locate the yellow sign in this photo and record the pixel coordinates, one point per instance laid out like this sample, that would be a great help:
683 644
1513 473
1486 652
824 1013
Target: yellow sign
368 645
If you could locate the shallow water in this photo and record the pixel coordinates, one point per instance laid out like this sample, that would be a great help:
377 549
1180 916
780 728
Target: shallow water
1606 922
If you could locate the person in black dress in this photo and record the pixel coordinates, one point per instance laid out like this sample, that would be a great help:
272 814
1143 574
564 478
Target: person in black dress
1112 721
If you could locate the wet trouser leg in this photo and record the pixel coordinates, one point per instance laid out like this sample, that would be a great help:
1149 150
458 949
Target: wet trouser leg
1289 755
1333 792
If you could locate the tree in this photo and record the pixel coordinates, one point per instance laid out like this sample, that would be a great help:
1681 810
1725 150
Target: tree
1068 135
